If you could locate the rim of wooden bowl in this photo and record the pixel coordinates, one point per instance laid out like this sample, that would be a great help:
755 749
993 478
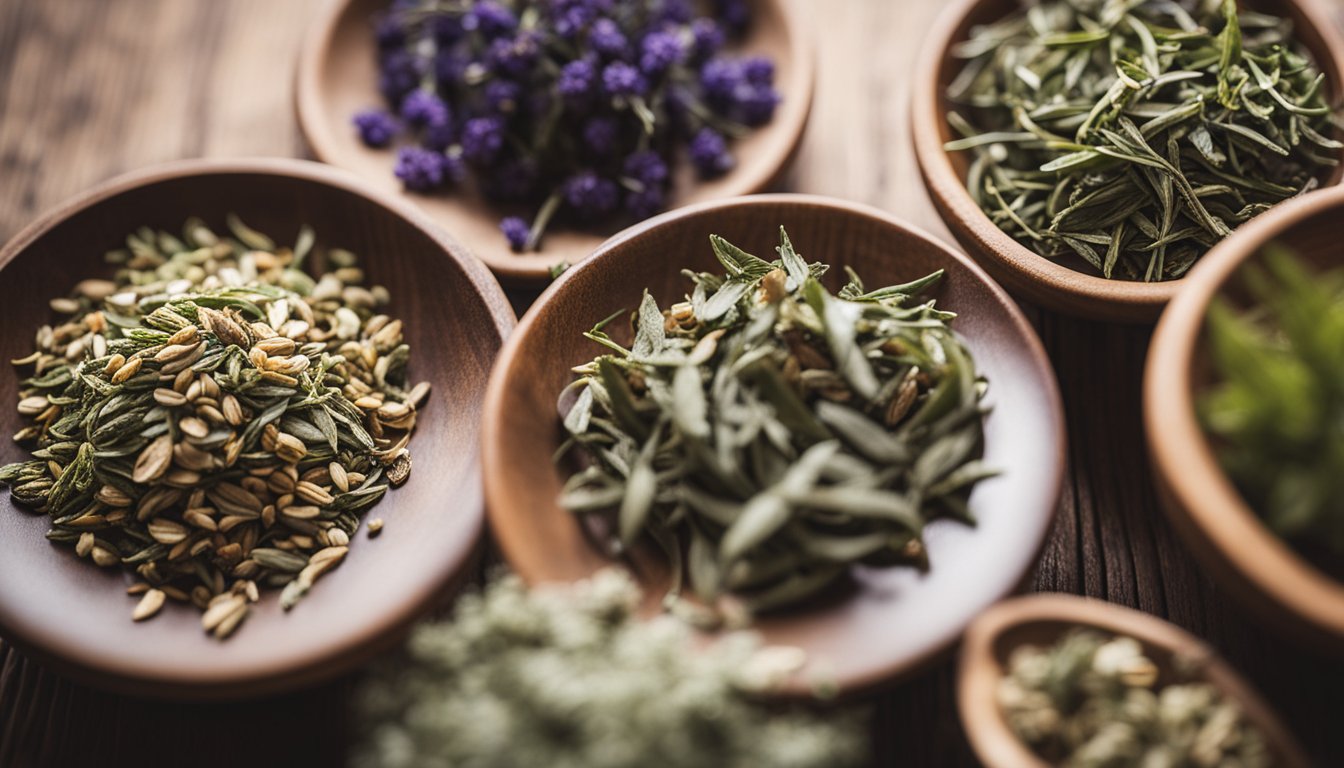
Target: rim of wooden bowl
780 140
257 676
1199 497
982 664
507 507
1053 286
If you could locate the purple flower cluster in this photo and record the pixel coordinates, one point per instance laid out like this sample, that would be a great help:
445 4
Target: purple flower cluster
576 109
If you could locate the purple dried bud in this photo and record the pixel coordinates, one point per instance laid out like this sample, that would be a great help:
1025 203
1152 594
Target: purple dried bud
502 95
490 19
591 196
755 104
482 139
606 38
646 167
621 79
708 38
758 70
576 79
399 74
420 169
422 108
514 56
659 51
709 153
376 127
515 231
719 78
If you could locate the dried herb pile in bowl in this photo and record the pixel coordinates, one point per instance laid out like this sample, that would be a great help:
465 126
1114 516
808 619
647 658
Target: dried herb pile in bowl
1128 138
1090 700
570 677
768 435
574 110
215 419
1275 410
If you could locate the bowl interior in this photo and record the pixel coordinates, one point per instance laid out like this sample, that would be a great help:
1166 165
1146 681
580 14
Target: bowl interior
455 319
338 77
897 617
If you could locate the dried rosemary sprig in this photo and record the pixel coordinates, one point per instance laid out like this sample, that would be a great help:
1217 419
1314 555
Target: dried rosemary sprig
1130 136
772 434
214 418
1091 701
571 677
1276 409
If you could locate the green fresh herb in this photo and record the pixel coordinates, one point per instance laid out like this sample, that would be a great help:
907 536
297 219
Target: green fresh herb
571 677
1091 701
1276 410
215 419
767 435
1127 138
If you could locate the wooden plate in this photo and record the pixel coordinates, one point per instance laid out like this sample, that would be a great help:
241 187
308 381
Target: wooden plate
897 619
1288 592
337 77
78 617
1041 620
1054 286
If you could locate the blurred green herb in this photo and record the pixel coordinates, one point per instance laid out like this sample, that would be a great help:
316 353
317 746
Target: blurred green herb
571 678
1136 135
1091 701
1277 407
767 435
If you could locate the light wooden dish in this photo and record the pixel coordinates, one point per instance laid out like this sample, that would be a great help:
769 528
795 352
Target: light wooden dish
1026 274
78 617
1289 593
1041 620
337 77
897 620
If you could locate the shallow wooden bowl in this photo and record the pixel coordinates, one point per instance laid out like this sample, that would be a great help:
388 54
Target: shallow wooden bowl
1026 274
1248 560
78 617
1041 620
897 619
337 77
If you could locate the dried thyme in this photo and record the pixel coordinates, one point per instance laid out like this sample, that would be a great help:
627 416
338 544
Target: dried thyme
1130 136
215 419
767 434
1091 701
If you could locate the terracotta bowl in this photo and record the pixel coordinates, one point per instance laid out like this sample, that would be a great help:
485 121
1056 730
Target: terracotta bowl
1042 620
897 619
78 617
1291 594
1026 274
337 77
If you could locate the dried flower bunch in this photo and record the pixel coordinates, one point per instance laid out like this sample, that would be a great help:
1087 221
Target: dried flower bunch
1131 136
571 678
1091 701
215 419
772 435
1276 408
576 109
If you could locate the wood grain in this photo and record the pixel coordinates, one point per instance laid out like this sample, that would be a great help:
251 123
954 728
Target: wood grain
90 88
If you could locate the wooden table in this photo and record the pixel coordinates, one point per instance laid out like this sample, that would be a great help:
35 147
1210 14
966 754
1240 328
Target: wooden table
90 88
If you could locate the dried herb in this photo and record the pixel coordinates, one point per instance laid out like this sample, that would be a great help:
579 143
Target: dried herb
767 434
570 677
1092 701
1276 409
214 418
1128 137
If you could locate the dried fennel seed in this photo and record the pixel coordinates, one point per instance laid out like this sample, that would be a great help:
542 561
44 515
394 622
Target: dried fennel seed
1134 136
214 418
772 434
1091 701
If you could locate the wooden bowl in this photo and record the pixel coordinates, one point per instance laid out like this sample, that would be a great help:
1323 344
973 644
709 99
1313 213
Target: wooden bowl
78 617
1026 274
1248 560
897 619
1041 620
337 77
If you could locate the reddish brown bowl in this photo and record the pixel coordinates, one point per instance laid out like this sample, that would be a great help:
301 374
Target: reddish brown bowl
1288 592
1042 620
1025 273
337 77
898 619
78 617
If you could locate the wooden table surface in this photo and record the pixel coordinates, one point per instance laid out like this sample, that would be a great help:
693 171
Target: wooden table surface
90 89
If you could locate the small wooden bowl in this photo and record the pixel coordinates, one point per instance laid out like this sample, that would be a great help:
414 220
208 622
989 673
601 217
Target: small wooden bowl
1247 559
1043 619
1025 273
337 77
78 617
897 619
